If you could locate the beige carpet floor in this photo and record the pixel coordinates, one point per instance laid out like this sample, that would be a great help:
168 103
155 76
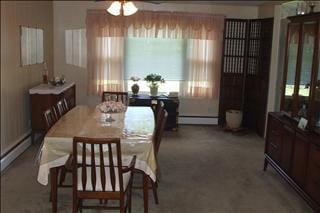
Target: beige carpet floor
204 170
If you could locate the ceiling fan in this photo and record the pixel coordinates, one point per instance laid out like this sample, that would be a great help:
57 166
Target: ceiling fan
151 2
125 8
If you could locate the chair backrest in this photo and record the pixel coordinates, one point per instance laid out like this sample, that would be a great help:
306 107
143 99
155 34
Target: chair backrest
62 108
65 103
94 149
115 96
50 117
159 111
160 129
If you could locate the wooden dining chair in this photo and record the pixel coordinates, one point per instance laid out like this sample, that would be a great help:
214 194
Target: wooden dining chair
65 103
159 129
157 106
50 117
62 108
102 177
160 126
156 143
115 96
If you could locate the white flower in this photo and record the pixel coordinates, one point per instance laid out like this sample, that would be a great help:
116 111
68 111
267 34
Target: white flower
134 78
111 106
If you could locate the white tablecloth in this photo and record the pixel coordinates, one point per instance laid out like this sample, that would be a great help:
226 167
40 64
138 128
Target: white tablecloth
135 127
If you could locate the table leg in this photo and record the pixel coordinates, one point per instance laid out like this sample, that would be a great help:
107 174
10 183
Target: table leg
54 194
145 192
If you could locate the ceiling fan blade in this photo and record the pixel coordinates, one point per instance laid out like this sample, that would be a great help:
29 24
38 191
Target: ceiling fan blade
151 2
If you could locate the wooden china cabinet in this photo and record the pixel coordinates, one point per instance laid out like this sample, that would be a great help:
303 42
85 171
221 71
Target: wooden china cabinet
295 153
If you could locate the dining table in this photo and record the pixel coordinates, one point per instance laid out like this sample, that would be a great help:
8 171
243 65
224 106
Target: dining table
135 128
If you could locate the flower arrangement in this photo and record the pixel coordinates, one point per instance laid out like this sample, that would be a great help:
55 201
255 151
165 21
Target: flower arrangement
58 81
154 80
111 106
135 87
134 78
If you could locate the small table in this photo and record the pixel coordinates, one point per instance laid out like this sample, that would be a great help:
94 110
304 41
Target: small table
135 128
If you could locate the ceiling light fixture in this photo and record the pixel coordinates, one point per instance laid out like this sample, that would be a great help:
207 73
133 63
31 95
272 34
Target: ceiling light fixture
125 8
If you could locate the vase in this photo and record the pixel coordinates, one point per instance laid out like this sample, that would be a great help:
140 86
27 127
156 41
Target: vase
233 118
135 89
153 91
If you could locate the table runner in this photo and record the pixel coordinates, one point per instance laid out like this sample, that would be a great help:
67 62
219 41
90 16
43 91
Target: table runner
135 128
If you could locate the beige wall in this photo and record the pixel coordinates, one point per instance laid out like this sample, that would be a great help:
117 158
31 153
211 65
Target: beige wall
16 80
266 10
71 15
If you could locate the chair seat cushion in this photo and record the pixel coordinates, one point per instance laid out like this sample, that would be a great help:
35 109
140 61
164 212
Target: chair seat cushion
108 187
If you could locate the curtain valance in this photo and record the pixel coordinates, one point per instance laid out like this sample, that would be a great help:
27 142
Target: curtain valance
156 24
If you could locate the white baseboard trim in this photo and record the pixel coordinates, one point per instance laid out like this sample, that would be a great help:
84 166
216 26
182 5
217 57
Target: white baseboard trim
198 120
13 154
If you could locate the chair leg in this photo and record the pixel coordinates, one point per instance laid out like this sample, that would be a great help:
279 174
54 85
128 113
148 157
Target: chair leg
122 206
75 203
129 198
80 205
62 175
54 187
155 193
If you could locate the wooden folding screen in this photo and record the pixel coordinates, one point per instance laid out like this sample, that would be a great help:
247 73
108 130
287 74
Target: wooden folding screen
257 76
233 66
245 70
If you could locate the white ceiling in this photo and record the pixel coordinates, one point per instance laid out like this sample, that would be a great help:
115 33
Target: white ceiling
247 3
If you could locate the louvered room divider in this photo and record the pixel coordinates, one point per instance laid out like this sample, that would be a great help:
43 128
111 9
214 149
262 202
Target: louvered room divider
245 70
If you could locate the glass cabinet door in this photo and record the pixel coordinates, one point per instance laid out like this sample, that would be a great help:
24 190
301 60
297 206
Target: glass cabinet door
316 102
308 47
292 54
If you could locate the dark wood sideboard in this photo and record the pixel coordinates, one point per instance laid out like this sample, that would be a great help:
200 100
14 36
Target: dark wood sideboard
42 97
295 155
171 105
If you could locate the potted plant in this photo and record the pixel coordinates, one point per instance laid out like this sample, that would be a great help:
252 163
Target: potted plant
154 80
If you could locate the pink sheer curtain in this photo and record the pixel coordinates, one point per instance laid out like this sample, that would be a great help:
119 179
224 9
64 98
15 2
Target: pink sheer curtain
204 33
105 46
203 69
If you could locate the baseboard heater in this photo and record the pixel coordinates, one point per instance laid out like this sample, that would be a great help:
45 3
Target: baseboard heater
200 120
20 146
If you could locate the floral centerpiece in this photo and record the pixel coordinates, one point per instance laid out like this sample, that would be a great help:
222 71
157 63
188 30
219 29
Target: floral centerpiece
111 107
154 80
135 86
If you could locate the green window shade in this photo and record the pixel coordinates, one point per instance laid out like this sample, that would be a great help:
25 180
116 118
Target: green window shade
155 55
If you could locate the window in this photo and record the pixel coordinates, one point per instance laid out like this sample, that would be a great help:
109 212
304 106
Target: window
76 47
167 57
31 46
